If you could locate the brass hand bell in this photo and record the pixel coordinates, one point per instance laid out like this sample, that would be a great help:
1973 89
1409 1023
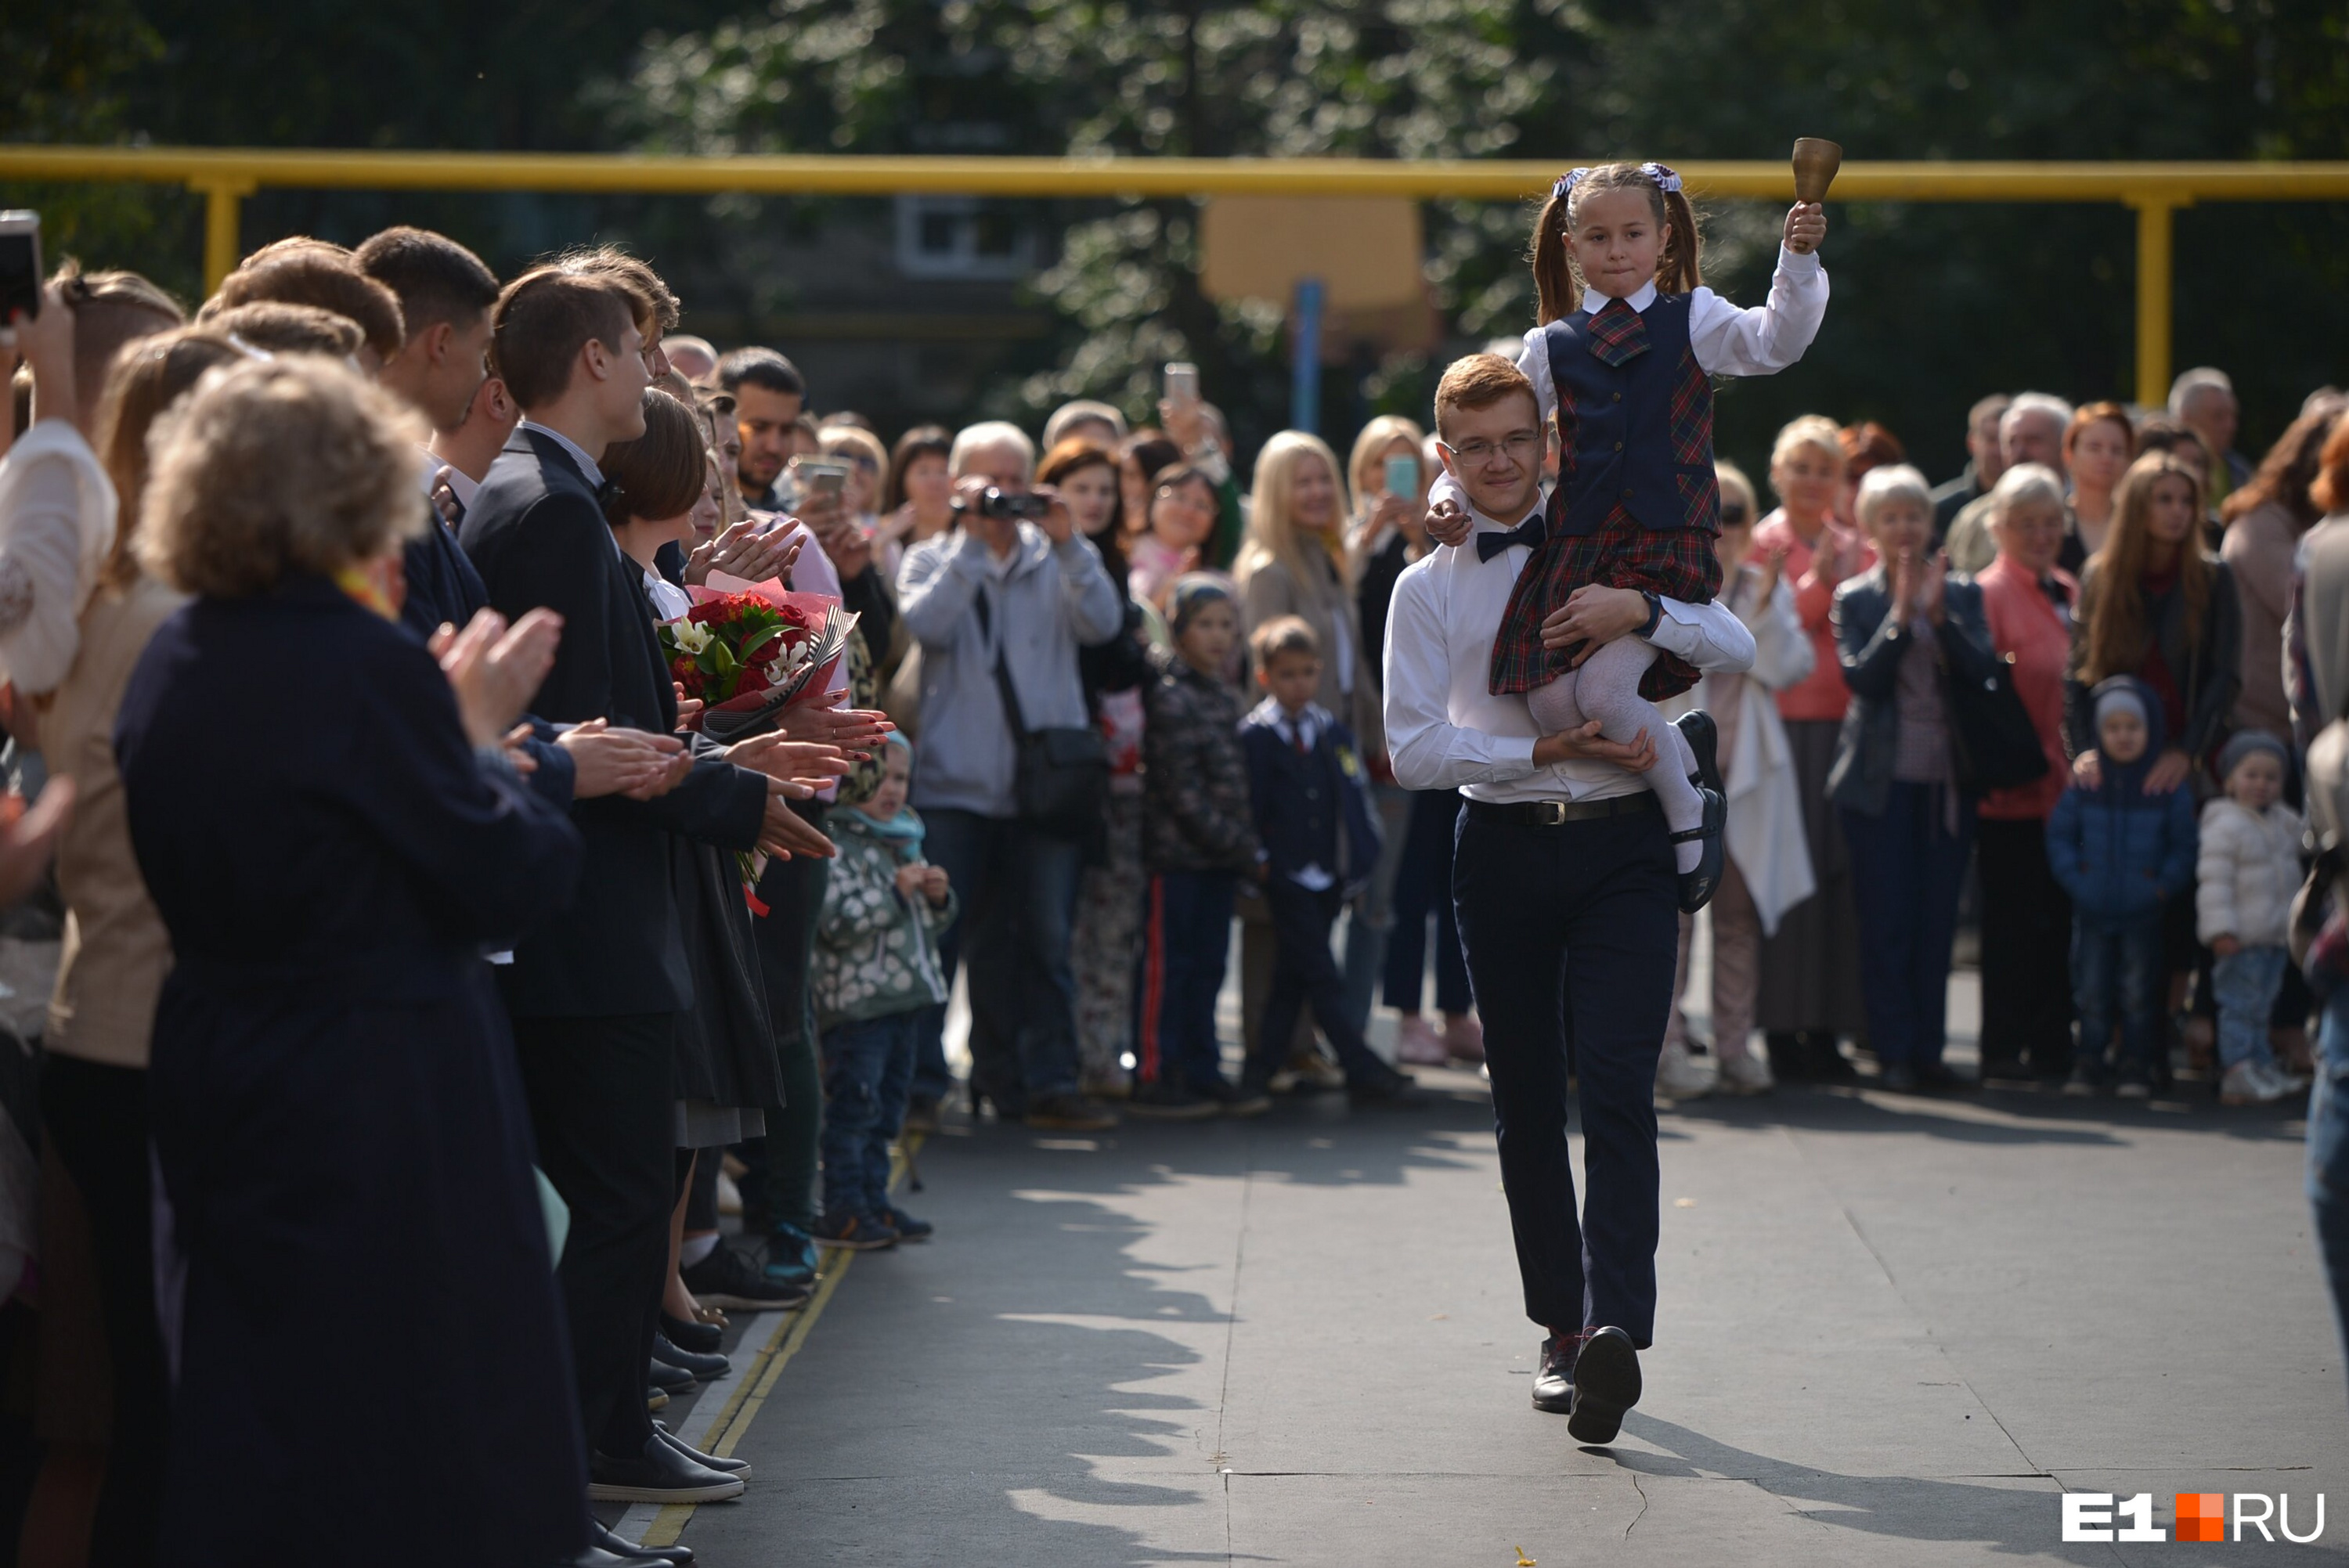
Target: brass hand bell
1815 162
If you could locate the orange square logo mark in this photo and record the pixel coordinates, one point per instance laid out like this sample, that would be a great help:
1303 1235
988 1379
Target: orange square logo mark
2201 1516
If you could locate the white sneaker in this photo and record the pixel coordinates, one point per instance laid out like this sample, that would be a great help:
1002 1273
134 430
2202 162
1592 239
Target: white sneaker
1678 1077
1417 1043
2253 1083
1745 1073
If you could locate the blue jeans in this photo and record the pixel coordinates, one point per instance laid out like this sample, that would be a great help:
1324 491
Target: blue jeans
1186 937
1909 869
868 1070
2246 984
2116 972
2328 1150
1019 893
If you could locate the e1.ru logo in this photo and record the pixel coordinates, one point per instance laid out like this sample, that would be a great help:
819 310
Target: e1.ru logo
2200 1516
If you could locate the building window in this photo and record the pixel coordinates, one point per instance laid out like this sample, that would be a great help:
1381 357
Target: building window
962 237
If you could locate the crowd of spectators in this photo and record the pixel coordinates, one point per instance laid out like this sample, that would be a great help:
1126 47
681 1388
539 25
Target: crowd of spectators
433 979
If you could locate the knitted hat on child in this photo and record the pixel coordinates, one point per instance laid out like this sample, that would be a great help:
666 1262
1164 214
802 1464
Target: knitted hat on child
2118 694
1192 592
2244 743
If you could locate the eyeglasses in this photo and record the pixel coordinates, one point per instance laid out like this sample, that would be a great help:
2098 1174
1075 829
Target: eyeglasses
1520 445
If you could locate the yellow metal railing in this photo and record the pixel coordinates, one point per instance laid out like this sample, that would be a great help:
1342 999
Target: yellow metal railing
225 176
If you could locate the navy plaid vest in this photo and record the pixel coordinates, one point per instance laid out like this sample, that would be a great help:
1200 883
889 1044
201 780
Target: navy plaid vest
1636 436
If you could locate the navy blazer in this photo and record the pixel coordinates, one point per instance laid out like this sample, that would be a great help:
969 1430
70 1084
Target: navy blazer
1311 810
537 537
1872 645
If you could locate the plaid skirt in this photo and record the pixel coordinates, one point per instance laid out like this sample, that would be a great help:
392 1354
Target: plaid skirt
1673 564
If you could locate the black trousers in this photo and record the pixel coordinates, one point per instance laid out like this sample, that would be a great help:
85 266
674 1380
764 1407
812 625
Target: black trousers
1572 933
95 1119
1304 974
2026 950
601 1102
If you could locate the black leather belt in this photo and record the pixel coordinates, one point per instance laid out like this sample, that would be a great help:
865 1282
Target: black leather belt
1557 813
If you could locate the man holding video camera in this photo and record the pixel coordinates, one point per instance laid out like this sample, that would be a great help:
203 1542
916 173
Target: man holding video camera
1001 603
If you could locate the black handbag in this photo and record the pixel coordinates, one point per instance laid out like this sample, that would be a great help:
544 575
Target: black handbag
1998 746
1061 779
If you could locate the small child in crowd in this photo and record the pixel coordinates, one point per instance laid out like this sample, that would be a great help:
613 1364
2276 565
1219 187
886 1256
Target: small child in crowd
1198 841
2122 855
876 969
1313 809
2246 871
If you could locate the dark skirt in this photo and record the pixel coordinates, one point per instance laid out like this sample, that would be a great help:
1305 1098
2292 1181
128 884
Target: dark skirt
1672 562
725 1051
1810 969
371 1338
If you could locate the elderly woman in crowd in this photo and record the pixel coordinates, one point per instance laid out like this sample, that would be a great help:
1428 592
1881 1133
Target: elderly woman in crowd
2027 927
1000 606
334 1090
1907 632
1810 992
1768 869
2098 445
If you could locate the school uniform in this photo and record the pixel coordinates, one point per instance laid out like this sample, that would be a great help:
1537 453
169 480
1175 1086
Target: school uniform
1312 803
1564 884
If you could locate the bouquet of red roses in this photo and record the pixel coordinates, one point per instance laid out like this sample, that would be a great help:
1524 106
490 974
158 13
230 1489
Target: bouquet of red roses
748 655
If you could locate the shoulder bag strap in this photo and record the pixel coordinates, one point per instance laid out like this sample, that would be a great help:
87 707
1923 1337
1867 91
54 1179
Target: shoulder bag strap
1002 673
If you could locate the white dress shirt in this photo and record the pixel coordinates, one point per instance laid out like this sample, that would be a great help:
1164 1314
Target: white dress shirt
1446 729
578 453
1727 340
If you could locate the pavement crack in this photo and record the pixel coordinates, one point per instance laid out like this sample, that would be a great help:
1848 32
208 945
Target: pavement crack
1643 1507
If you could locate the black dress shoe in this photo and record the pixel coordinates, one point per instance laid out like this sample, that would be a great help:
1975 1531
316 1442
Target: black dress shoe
707 1461
709 1369
1825 1063
1704 738
1940 1078
1390 1090
1697 887
702 1338
657 1474
624 1550
1899 1078
1605 1383
670 1379
1554 1379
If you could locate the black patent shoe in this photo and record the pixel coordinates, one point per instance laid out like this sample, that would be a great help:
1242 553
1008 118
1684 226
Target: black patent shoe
670 1379
709 1369
1704 738
702 1338
615 1549
1605 1383
1697 887
1554 1379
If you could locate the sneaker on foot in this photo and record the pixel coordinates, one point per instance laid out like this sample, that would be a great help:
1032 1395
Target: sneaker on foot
1164 1102
1745 1073
1070 1113
1417 1043
2135 1084
1677 1077
1233 1102
854 1232
2253 1083
908 1228
1463 1038
790 1258
726 1278
1389 1088
2084 1081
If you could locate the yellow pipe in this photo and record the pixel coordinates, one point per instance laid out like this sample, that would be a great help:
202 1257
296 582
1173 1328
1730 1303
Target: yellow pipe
222 245
868 175
2154 234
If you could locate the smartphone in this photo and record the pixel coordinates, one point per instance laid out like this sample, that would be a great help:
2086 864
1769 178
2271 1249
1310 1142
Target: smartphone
1403 477
1182 382
20 269
820 477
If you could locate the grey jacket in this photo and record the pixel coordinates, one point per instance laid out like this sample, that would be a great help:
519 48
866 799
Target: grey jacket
1055 599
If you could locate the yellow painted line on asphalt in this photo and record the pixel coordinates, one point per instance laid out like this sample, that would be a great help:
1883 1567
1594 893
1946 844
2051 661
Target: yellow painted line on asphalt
790 1336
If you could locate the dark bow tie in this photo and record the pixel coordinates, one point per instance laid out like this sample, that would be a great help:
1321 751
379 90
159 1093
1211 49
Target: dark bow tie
606 493
1529 533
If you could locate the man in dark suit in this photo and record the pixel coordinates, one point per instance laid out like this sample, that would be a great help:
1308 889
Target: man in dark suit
1313 817
593 992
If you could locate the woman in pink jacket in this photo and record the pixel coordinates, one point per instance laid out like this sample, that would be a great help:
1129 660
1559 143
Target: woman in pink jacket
2026 923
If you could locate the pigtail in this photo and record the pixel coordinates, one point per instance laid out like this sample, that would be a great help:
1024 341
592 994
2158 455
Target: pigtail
1558 290
1678 270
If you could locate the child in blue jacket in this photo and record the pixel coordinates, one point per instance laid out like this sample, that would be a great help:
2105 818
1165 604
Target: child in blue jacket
2122 855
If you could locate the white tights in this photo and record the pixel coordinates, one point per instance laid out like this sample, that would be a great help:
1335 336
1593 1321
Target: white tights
1607 689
